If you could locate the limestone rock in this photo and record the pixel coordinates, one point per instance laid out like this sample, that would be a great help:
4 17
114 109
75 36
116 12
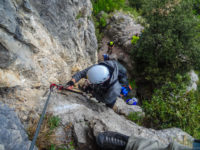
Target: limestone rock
12 133
125 109
193 81
40 41
121 28
90 117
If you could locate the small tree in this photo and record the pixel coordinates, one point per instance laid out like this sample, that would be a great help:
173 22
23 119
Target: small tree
107 5
170 44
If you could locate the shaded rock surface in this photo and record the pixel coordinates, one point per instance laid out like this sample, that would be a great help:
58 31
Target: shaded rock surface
12 133
121 28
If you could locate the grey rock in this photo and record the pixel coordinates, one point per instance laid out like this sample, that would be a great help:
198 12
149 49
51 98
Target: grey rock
80 131
6 57
12 133
27 6
2 147
193 81
123 108
43 41
59 18
8 16
121 28
86 114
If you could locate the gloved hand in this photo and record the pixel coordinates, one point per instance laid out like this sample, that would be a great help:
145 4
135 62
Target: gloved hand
124 91
69 85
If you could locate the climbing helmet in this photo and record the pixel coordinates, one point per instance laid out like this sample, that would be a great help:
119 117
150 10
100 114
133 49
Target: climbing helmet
98 74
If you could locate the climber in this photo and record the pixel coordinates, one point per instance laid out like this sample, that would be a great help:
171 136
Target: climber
110 47
103 81
116 141
123 80
135 38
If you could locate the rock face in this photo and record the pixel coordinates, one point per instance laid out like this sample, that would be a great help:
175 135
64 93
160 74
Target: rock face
12 133
44 41
90 117
193 81
121 28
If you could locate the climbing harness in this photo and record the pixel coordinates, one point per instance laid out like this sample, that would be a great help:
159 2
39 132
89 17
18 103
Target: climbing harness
59 87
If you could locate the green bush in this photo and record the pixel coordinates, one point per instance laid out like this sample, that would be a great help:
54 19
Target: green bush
136 117
197 7
173 106
103 19
107 5
54 122
98 32
136 3
170 44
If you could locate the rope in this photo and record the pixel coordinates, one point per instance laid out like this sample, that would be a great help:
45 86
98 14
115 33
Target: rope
59 87
40 121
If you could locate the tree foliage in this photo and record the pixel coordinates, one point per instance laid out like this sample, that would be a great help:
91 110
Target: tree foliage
173 106
197 7
107 5
170 44
136 3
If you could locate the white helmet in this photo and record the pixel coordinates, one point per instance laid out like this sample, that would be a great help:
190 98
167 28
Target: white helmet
98 74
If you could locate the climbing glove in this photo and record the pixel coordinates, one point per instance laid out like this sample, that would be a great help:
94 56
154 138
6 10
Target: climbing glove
70 83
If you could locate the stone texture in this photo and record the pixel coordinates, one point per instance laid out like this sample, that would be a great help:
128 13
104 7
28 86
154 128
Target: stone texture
6 57
44 41
125 109
193 81
121 28
12 133
90 117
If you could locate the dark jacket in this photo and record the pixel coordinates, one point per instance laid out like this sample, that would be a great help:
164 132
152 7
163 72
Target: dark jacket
109 91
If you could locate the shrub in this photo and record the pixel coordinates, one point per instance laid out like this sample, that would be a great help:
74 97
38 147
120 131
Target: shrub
197 7
136 3
46 138
136 117
107 5
98 32
173 106
170 44
103 20
54 122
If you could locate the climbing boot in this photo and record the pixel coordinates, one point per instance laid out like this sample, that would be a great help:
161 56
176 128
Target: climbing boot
112 140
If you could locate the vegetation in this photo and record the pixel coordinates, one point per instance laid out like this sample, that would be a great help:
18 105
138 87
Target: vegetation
107 5
102 11
197 7
53 122
173 106
47 138
136 3
170 44
167 49
136 117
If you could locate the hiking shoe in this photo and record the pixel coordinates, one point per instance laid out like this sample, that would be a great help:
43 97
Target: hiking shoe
112 140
